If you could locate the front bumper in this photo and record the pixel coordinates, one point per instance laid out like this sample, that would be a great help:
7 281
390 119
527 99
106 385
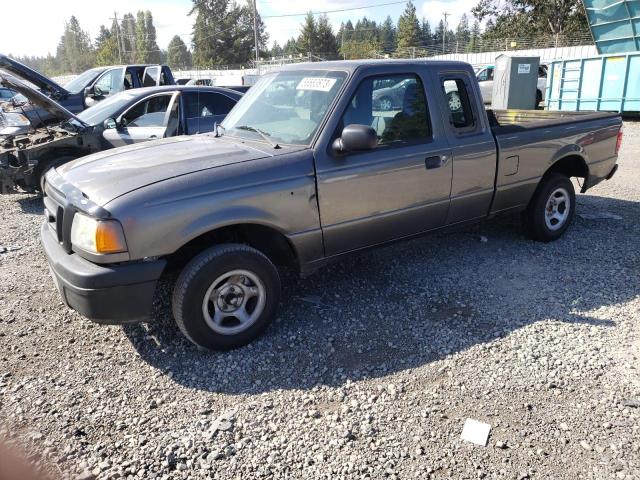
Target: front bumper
111 294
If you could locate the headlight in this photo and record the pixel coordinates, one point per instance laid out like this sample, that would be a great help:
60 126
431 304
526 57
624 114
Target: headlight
97 236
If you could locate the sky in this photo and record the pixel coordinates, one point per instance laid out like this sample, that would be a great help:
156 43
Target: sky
171 17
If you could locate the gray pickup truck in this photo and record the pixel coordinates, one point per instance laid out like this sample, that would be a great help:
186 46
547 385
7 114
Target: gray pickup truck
305 169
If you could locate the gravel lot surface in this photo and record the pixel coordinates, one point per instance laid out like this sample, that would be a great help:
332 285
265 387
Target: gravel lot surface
370 371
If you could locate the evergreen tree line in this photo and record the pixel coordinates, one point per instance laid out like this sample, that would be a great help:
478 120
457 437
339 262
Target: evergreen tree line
132 39
536 21
223 35
366 37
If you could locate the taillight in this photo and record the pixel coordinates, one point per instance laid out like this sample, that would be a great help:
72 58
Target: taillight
619 141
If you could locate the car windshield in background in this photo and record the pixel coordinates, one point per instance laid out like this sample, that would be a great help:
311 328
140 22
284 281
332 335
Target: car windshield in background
81 81
287 107
106 109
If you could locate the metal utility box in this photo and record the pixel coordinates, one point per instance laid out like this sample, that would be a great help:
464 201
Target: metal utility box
515 81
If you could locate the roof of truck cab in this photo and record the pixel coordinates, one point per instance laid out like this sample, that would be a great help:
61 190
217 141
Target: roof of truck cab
352 65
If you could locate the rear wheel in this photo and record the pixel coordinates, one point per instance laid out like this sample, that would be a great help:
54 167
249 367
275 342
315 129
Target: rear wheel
551 210
226 296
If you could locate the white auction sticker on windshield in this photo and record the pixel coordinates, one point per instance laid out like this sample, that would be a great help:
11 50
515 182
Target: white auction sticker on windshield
320 84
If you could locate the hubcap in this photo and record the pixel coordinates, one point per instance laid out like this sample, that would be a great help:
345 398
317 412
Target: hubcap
233 302
557 209
454 102
385 104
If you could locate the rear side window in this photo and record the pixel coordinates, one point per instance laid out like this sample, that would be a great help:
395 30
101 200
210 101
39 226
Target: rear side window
206 104
457 97
395 106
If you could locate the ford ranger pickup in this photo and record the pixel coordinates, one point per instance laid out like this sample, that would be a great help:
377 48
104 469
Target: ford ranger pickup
305 169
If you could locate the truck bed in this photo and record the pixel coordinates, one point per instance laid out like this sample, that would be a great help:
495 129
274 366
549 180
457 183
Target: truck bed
529 141
508 121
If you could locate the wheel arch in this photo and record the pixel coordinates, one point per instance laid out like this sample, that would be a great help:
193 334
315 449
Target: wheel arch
265 238
571 165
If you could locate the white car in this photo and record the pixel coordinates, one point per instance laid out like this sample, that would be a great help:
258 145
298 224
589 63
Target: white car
485 79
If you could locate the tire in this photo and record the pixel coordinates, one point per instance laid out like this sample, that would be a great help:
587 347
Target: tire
228 276
551 209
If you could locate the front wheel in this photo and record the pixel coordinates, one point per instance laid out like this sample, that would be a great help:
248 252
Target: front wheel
226 297
551 210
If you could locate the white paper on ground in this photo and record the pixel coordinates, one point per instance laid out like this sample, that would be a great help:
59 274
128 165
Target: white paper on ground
475 432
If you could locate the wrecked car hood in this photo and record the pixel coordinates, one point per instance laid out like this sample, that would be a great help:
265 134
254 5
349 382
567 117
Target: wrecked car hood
26 73
107 175
37 98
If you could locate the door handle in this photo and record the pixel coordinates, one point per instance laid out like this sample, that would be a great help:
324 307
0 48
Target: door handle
436 161
151 137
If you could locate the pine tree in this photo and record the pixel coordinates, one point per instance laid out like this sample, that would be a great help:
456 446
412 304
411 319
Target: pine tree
290 48
326 41
426 37
75 51
153 53
276 50
308 39
408 27
107 50
127 35
142 46
388 35
474 40
178 55
463 33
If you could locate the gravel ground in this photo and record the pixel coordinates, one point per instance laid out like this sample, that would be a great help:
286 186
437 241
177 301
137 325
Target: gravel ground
370 371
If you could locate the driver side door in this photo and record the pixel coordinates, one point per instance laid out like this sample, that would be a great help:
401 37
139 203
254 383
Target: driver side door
148 119
397 189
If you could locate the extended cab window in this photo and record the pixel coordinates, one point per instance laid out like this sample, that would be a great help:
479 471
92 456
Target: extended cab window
457 97
394 105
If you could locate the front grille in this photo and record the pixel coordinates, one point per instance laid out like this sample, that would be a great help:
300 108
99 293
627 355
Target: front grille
59 214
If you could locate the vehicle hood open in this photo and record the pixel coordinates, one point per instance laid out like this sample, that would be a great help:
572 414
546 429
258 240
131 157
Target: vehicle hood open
107 175
30 75
37 98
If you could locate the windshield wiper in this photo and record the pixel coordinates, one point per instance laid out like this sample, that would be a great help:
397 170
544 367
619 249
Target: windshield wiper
259 132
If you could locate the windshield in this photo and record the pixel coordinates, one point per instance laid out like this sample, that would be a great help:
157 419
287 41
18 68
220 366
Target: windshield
79 83
105 109
287 107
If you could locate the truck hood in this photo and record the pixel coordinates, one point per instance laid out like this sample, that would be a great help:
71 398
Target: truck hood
38 99
107 175
30 75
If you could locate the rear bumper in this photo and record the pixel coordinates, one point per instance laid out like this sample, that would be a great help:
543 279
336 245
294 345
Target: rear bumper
111 294
600 171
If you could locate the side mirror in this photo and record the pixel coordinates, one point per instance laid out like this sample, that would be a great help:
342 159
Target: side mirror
110 123
356 138
89 92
